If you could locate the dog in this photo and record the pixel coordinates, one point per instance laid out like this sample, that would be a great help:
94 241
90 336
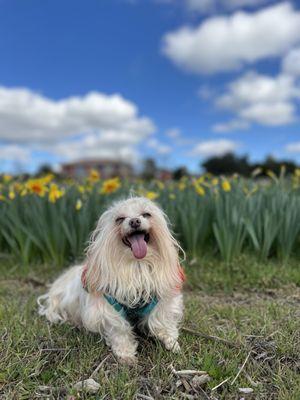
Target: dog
131 278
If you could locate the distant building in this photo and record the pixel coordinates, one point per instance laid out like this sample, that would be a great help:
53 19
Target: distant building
106 168
163 175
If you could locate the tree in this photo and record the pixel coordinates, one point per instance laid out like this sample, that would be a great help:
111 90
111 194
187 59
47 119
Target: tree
149 169
227 164
179 173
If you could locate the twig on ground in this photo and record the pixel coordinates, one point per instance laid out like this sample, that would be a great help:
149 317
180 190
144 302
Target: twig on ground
93 374
220 384
187 372
242 367
143 396
211 337
205 395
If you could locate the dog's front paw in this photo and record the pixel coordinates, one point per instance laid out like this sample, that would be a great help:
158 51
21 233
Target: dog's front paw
127 360
172 345
125 356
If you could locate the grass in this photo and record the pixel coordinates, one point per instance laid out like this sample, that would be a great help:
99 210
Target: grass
254 305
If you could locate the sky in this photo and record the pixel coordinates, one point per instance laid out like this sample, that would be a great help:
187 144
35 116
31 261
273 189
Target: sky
176 80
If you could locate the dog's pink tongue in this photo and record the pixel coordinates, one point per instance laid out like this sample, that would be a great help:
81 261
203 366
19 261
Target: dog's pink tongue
138 245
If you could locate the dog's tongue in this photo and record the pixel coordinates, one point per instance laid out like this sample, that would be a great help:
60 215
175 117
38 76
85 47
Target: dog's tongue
138 245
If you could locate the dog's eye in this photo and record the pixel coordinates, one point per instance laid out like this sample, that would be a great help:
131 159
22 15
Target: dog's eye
119 220
146 215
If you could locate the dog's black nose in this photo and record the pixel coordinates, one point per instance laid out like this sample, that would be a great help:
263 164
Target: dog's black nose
135 223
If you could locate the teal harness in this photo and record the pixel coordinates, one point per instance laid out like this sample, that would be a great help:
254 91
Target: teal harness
132 314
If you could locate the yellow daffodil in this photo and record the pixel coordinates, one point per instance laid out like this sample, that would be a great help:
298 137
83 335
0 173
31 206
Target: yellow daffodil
200 190
7 178
172 196
2 198
110 185
200 180
11 194
272 175
81 188
94 176
152 195
215 181
181 185
78 205
256 171
36 186
160 184
55 193
226 186
47 179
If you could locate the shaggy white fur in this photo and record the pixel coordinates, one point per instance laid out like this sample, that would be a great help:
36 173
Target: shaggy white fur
132 257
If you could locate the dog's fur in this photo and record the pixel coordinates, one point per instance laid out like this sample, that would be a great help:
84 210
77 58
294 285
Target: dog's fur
112 268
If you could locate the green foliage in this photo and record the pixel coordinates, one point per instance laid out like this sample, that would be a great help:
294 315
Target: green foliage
208 215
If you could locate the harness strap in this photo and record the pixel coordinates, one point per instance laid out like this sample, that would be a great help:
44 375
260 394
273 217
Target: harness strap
132 312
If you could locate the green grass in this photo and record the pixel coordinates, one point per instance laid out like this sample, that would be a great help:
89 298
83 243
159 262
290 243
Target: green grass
255 305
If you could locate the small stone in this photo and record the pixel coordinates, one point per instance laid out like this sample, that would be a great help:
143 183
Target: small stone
89 385
246 390
200 380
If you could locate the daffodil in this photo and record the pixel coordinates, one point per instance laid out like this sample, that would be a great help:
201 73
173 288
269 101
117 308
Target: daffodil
78 205
46 179
160 184
7 178
110 185
55 193
11 194
94 176
36 186
152 195
297 172
215 181
200 190
181 185
272 175
81 188
226 186
2 198
172 196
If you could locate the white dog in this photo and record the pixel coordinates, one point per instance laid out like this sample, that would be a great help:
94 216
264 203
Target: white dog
131 276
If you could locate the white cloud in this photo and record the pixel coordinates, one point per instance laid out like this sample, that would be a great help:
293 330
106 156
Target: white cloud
92 126
204 6
232 125
225 43
291 62
293 147
14 152
160 148
173 133
28 116
259 98
215 147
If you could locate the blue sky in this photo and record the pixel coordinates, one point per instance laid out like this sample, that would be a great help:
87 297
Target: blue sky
178 80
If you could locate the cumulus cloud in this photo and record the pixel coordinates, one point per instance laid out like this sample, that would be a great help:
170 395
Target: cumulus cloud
261 99
173 133
91 126
159 148
232 125
293 147
291 62
205 6
14 152
215 147
226 43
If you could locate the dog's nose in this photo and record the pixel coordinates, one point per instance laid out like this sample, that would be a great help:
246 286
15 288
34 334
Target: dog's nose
135 223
